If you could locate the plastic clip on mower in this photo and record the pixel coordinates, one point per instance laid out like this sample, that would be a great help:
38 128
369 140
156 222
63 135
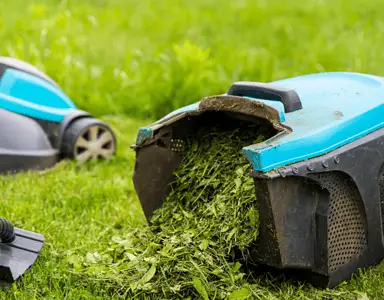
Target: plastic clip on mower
39 126
19 250
319 178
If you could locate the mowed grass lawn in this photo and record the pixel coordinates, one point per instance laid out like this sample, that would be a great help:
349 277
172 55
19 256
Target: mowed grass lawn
130 62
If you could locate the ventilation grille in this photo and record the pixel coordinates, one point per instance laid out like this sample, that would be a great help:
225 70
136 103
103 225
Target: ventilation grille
381 186
346 222
177 145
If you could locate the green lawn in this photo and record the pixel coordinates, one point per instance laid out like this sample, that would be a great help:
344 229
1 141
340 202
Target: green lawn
130 62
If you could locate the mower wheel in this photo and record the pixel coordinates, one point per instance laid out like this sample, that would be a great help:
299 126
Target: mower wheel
88 138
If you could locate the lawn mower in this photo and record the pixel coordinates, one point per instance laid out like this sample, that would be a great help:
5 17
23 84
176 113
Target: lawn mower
319 177
40 124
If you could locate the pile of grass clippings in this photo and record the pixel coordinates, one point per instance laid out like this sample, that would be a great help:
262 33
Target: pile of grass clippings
189 249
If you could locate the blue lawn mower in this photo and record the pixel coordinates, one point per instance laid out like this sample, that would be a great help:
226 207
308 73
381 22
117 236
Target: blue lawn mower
40 124
319 177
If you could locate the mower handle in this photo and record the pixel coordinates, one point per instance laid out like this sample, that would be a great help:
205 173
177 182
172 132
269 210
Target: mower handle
266 91
7 232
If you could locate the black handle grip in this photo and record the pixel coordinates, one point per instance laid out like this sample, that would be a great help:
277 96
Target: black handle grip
7 232
266 91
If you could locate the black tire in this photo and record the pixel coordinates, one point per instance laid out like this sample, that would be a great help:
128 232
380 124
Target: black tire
88 138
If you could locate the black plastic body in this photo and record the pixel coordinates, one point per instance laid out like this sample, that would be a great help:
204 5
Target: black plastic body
23 144
260 90
299 196
55 131
19 255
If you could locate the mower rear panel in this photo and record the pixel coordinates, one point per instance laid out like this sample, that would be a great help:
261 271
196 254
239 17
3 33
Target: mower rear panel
23 144
325 214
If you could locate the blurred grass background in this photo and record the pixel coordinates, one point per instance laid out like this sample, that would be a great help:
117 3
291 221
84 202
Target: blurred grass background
130 62
145 58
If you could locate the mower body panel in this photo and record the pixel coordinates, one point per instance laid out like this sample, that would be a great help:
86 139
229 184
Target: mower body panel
324 215
32 96
23 144
7 63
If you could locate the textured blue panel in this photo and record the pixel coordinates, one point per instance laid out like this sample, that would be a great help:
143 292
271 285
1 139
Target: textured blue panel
29 95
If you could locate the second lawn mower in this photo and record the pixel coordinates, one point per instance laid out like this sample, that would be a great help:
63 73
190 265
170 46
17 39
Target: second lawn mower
40 125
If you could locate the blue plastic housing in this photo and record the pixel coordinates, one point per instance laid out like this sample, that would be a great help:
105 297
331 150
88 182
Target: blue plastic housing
338 108
29 95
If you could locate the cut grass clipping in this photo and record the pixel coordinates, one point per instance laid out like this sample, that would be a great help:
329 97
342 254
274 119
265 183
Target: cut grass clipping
189 250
